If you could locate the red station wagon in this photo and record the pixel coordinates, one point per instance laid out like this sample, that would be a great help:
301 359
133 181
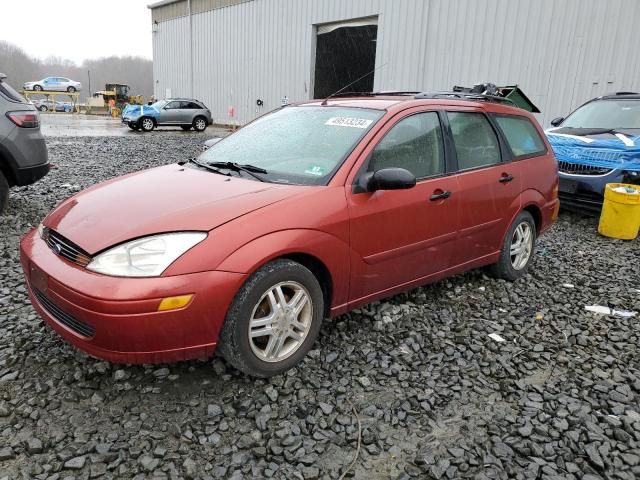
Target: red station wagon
306 213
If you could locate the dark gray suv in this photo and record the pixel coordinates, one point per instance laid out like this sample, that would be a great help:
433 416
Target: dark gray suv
23 152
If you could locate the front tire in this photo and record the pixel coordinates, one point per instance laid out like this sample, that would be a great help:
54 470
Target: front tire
71 89
4 192
147 124
37 88
133 126
43 108
199 124
517 248
273 320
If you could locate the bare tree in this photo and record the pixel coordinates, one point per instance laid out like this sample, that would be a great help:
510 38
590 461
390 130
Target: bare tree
137 72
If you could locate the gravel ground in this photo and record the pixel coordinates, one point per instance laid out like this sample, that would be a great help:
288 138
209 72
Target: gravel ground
435 396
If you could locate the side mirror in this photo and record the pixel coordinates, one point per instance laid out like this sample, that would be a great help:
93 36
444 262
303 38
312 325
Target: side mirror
389 179
557 121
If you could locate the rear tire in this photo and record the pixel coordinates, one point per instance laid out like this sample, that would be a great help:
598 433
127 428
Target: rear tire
186 128
43 108
147 124
517 248
4 192
282 306
199 124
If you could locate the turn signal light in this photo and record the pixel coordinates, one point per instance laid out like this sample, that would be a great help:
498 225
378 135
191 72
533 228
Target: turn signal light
174 303
24 119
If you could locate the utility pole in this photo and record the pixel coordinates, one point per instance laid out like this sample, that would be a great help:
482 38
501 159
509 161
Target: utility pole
89 74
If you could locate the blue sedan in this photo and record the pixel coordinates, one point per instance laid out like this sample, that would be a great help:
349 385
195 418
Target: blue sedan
598 143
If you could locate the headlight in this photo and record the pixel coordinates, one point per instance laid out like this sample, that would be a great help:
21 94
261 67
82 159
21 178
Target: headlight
145 257
41 230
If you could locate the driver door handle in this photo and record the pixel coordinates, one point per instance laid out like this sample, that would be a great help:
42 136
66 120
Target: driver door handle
440 195
506 178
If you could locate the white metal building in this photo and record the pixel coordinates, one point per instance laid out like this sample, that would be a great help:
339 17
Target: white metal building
245 57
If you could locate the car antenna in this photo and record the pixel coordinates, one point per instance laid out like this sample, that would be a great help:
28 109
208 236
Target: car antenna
324 102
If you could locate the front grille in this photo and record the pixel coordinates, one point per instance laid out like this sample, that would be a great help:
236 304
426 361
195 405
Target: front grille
66 248
63 317
579 169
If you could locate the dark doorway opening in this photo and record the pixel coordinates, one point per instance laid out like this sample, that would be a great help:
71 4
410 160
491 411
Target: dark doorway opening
342 56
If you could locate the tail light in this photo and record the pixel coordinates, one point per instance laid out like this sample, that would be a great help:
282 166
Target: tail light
24 119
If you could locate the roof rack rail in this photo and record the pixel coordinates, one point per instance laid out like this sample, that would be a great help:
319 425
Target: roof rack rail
465 96
373 94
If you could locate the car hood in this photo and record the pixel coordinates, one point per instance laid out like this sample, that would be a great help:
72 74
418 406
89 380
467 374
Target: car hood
137 111
605 150
164 199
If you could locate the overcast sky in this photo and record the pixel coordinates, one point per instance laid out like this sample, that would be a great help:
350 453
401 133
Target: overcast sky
78 29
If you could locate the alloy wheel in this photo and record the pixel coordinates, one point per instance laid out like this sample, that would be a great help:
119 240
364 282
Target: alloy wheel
280 321
521 245
200 124
147 124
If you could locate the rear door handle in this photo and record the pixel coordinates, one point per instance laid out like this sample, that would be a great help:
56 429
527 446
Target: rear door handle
506 178
443 195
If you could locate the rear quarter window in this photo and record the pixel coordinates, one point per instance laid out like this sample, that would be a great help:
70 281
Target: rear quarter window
521 135
10 93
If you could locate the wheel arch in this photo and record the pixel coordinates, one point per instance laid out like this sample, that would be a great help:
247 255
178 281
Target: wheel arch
6 167
536 213
319 270
531 201
325 255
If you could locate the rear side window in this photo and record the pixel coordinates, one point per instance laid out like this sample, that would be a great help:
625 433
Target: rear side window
475 140
522 136
10 93
415 144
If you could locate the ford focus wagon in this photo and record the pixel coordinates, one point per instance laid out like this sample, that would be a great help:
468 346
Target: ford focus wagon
303 214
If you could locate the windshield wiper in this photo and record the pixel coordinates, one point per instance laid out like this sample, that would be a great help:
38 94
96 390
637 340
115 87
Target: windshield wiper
601 131
208 167
250 169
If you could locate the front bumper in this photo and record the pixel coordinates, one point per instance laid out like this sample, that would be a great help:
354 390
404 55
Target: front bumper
585 193
116 319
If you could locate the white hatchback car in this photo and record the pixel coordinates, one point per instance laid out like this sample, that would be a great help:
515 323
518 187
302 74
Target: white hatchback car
54 84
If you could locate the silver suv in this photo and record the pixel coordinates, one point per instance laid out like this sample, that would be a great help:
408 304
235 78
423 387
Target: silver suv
179 112
23 152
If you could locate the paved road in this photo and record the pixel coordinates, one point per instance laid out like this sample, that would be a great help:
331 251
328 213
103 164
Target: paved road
78 125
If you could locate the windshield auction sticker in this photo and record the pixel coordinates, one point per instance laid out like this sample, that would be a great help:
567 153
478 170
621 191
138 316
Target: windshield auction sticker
349 122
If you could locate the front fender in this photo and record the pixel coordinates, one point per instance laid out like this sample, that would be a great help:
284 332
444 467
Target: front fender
328 249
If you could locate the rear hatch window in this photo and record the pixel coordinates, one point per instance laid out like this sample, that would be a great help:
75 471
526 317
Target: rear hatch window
9 92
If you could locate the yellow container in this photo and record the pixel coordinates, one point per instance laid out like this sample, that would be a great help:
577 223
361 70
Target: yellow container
620 217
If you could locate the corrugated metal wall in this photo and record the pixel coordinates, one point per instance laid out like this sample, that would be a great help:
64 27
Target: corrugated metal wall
560 52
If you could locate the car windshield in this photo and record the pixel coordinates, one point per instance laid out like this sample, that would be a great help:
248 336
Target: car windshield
159 104
613 114
301 145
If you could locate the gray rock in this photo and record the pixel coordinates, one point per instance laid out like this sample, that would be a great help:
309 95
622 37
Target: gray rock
76 463
214 410
6 453
34 445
